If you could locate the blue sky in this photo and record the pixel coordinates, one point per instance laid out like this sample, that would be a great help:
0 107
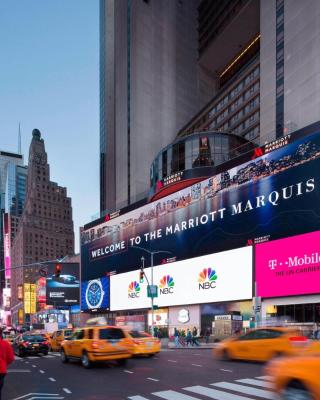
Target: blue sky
49 79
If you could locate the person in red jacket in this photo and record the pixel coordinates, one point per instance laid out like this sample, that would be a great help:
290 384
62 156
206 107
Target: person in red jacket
6 358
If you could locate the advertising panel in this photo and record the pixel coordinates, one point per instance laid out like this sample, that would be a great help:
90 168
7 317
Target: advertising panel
7 245
41 290
65 288
205 279
6 298
95 294
289 267
274 195
29 298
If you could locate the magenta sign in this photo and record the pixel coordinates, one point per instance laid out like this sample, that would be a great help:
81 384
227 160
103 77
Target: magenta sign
289 266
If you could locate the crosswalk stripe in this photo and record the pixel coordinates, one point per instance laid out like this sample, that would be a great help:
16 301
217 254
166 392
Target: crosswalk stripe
172 395
215 394
265 378
256 382
48 356
244 389
137 398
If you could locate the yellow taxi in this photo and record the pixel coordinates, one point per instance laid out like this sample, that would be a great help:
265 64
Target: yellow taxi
296 377
144 343
58 337
261 344
97 343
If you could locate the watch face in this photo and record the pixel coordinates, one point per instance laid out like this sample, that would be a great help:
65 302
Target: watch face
94 294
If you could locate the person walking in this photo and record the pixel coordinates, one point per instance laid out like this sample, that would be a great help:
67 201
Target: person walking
207 335
194 336
189 337
176 338
6 358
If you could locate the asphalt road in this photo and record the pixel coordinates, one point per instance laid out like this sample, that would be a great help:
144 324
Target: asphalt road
172 375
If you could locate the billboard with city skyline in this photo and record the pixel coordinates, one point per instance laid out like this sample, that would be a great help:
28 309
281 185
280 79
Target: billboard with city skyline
275 194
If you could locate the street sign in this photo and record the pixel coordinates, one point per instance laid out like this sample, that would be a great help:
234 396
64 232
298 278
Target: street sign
152 291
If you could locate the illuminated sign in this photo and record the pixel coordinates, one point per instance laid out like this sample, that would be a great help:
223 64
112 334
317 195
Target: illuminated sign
179 281
95 294
275 195
7 245
30 298
288 267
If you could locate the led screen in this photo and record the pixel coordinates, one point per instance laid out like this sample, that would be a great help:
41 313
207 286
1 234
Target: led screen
288 267
216 277
271 196
95 294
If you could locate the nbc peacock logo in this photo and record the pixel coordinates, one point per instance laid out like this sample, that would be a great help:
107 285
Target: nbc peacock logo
207 279
166 285
134 290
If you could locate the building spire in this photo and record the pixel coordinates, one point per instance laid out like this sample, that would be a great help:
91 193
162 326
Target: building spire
19 140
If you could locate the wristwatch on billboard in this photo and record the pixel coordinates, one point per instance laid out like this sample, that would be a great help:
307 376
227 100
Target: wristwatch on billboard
94 293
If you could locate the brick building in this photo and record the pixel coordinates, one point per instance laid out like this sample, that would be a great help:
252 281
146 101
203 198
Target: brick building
45 230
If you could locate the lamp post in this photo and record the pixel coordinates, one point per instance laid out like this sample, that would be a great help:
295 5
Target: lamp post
142 260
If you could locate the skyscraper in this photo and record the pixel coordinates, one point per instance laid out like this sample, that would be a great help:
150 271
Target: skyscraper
45 230
150 85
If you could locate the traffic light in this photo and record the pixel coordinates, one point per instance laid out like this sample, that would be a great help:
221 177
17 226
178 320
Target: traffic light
57 270
141 276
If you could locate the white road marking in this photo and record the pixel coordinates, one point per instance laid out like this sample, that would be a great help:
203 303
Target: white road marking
196 365
52 379
32 358
244 389
196 354
265 378
172 395
226 370
67 390
127 371
34 366
39 394
214 394
18 370
174 361
41 371
137 398
153 379
256 382
48 356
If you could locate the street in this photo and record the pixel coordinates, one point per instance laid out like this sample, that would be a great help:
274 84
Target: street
172 375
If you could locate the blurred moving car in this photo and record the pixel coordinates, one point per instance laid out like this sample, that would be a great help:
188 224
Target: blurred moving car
9 336
295 378
144 343
27 344
97 343
58 337
262 344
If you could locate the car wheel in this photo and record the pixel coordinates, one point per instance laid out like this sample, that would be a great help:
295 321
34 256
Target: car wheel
21 353
122 362
225 355
86 363
296 391
64 357
45 353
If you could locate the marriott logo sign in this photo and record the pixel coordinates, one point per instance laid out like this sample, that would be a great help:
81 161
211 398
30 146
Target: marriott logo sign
295 261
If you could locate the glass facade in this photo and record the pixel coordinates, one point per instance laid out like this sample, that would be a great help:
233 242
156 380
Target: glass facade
204 149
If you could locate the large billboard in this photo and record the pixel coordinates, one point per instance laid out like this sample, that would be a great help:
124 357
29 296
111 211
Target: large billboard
95 294
276 194
63 290
7 245
288 267
212 278
29 298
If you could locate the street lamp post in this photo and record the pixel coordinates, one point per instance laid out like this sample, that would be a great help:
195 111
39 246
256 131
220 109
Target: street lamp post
142 259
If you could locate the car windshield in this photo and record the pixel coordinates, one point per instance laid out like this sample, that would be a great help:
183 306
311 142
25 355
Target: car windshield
68 333
137 334
33 338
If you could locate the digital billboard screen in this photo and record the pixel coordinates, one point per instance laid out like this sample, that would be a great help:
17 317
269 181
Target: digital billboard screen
288 267
224 276
95 294
64 289
275 194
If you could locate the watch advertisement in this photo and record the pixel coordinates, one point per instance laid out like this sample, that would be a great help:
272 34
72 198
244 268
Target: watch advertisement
95 294
62 288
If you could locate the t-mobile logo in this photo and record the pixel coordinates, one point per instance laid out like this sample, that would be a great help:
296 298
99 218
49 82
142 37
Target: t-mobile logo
273 264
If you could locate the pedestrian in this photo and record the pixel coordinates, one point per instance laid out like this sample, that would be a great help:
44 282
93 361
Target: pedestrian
6 358
189 337
194 337
176 338
207 335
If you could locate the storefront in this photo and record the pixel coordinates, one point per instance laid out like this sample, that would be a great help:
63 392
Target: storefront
288 280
